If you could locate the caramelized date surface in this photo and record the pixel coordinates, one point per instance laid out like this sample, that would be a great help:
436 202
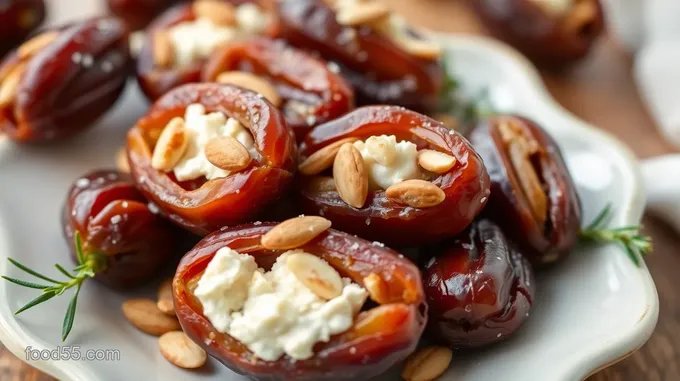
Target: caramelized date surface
380 337
312 93
207 206
479 288
138 13
380 70
546 33
114 220
465 185
533 197
18 18
62 80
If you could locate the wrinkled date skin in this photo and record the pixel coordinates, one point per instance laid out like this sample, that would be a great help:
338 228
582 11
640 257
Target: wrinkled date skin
478 287
203 207
113 219
533 197
548 37
379 70
156 81
312 94
380 337
18 18
138 13
466 185
67 85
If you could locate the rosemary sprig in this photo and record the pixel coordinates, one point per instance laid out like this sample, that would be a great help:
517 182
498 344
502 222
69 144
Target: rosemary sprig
88 266
629 237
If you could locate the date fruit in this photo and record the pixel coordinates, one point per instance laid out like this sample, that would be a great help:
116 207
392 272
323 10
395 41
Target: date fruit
62 80
381 336
533 197
138 13
18 18
478 287
118 227
551 33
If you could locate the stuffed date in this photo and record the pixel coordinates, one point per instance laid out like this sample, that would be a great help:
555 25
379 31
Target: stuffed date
18 18
392 175
307 89
211 155
551 33
181 39
60 81
380 55
304 317
478 287
533 197
138 13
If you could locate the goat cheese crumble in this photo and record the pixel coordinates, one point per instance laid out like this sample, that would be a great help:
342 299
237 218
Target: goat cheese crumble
272 313
389 162
202 128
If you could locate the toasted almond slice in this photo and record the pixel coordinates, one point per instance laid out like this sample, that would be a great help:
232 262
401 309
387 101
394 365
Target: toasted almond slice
435 161
322 159
362 13
122 161
427 364
10 85
294 232
165 301
316 274
35 44
377 288
351 178
171 146
519 153
163 51
145 315
251 82
225 152
425 49
416 193
178 348
319 184
218 12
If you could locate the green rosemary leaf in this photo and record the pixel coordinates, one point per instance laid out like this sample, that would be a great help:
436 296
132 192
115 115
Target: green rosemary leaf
632 255
79 247
35 274
24 283
64 271
45 296
600 217
70 315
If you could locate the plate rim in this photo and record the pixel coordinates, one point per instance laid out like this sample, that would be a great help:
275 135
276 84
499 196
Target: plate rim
16 339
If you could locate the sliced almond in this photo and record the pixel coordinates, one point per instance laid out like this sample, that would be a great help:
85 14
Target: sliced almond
322 159
351 178
531 185
316 274
362 13
435 161
35 44
427 364
294 232
251 82
178 348
218 12
225 152
416 193
377 288
318 184
10 85
171 146
165 301
122 161
163 51
425 49
145 315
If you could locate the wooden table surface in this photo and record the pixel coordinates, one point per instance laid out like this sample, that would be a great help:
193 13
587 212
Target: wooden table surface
601 91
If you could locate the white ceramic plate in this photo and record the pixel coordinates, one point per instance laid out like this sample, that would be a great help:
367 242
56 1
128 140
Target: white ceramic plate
591 311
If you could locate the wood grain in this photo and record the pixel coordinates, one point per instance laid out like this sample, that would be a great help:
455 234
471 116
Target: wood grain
601 91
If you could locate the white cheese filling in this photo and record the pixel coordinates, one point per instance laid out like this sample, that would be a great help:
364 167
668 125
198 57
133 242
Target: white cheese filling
202 128
272 313
197 39
389 162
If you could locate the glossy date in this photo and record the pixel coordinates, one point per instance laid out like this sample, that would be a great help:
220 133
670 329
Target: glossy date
138 13
550 33
18 18
478 287
62 80
533 197
115 222
381 336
